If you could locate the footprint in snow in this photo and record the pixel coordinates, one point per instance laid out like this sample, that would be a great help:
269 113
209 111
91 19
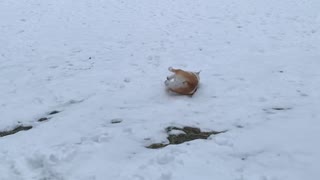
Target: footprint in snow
19 128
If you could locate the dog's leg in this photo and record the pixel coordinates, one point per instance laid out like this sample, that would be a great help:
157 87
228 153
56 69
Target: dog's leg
170 77
167 82
172 69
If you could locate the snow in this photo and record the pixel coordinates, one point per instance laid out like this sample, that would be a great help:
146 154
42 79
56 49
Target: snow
101 61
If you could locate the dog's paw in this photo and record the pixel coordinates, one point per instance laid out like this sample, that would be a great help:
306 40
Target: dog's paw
166 82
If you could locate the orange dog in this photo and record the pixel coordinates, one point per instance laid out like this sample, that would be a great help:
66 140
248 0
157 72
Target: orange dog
183 82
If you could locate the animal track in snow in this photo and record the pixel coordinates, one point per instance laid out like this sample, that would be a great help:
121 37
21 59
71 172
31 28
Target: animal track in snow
15 130
26 127
48 116
273 110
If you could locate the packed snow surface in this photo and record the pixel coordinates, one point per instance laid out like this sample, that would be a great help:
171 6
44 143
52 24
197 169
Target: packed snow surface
102 64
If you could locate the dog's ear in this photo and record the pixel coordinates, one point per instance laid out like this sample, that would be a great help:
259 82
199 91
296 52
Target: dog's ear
198 72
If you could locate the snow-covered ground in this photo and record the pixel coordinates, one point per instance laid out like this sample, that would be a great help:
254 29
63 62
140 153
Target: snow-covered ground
105 60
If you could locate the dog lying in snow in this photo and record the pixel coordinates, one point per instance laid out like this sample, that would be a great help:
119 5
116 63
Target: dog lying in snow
182 82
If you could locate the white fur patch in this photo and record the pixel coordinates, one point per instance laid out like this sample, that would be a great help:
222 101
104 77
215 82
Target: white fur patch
174 82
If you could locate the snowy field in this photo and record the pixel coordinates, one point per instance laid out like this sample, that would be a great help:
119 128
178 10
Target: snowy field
97 62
